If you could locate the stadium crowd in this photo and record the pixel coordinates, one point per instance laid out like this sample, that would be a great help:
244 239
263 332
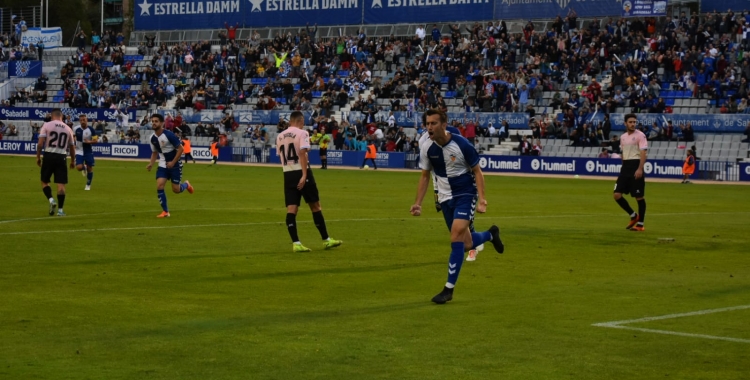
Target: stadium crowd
486 67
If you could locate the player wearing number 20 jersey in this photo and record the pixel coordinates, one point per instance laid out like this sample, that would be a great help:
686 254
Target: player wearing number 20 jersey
57 140
292 146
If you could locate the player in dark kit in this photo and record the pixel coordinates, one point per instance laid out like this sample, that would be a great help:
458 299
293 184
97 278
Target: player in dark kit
293 145
632 180
57 140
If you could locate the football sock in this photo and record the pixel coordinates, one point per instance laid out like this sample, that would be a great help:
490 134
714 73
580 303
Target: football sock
320 222
60 200
162 200
454 263
291 225
325 163
89 178
641 211
183 187
48 193
374 165
625 206
479 238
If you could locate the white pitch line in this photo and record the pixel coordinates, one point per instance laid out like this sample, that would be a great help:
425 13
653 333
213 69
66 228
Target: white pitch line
197 226
339 220
621 324
689 335
672 316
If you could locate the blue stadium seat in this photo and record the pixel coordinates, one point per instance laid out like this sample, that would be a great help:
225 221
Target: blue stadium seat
297 87
669 102
665 94
444 80
450 94
317 94
344 73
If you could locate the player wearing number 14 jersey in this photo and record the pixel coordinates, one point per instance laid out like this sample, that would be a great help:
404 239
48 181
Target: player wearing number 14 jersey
292 146
57 140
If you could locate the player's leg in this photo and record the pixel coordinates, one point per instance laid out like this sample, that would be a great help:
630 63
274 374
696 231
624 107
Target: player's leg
89 166
478 239
175 174
640 186
621 187
292 198
374 165
80 165
310 193
161 181
46 178
61 178
323 159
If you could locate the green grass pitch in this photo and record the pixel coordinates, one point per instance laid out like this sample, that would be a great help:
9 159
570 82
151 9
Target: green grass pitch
215 292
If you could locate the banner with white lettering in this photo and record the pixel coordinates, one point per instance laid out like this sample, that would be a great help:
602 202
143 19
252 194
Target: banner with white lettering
411 11
644 8
241 117
50 37
698 122
575 166
208 14
538 9
116 150
413 119
395 160
29 113
744 171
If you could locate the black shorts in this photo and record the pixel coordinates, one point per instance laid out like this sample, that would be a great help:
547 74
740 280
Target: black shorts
292 196
54 164
628 184
323 152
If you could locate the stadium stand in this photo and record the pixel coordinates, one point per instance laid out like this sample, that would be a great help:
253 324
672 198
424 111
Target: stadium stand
562 73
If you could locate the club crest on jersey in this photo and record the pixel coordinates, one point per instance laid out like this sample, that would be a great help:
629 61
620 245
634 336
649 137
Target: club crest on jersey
453 157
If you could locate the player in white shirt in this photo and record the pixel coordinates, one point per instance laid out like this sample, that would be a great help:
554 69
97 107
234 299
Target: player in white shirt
166 147
454 162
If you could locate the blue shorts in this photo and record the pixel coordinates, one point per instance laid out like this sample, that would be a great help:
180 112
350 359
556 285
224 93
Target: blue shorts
87 159
174 174
461 207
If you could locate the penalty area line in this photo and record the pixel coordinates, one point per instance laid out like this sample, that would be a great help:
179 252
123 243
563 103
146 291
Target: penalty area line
200 226
623 324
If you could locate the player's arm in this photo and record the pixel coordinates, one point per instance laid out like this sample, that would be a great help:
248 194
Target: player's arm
424 179
479 178
639 172
303 163
177 156
154 156
72 149
39 145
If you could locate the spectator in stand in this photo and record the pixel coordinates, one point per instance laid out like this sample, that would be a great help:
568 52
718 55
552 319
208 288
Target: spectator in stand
536 149
231 31
524 147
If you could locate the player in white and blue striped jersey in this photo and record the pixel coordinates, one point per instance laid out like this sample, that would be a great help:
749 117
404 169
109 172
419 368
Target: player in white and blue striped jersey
460 185
167 147
84 135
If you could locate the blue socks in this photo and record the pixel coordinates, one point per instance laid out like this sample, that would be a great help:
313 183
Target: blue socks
183 186
479 238
89 177
454 263
162 200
